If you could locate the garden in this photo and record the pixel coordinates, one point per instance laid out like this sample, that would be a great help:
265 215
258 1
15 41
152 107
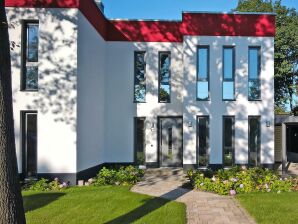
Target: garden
105 198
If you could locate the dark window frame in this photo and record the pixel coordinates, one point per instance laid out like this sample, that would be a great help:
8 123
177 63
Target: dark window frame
24 55
208 71
135 139
134 86
259 73
207 141
159 75
233 47
233 139
23 114
259 140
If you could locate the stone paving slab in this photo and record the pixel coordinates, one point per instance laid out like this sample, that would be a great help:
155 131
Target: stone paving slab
201 207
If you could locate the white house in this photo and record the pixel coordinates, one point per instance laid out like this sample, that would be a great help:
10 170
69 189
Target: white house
89 91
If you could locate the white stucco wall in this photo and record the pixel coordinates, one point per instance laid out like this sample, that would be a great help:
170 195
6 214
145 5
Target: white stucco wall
56 99
120 109
241 108
91 95
79 130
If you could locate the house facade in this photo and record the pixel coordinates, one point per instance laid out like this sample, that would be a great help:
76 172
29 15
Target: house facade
89 91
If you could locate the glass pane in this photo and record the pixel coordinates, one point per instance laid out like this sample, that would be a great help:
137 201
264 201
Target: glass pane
228 63
164 93
140 93
254 91
32 42
253 67
140 141
140 78
254 141
203 90
228 90
164 67
31 145
203 138
31 76
164 77
202 63
228 143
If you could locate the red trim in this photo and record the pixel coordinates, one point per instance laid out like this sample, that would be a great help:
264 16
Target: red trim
94 16
205 24
192 24
42 3
144 31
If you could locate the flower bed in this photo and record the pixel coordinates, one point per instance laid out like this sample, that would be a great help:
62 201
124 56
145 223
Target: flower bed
125 175
237 181
46 185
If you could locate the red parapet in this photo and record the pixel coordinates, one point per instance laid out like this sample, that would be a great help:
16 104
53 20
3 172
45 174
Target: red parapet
192 24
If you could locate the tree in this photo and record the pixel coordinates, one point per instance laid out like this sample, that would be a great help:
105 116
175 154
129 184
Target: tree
285 48
11 204
254 6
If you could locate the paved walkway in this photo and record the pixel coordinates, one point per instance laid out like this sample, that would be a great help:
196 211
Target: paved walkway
202 207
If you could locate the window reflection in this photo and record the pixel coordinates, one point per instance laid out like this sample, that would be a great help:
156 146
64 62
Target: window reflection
164 77
140 77
203 73
254 84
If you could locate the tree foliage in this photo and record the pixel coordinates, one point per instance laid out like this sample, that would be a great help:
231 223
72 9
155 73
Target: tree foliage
285 48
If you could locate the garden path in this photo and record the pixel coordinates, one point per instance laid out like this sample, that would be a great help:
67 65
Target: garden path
201 207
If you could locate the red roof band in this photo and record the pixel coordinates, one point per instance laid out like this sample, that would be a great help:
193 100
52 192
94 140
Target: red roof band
192 24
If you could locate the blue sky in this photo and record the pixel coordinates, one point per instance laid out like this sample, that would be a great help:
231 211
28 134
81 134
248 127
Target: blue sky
169 9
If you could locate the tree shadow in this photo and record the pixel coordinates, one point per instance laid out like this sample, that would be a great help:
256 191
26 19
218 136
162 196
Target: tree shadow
36 201
149 206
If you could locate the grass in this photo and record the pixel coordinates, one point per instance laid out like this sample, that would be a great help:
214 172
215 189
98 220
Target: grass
271 207
108 204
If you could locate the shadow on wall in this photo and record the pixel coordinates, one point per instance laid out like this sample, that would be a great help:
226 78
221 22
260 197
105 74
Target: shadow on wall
57 61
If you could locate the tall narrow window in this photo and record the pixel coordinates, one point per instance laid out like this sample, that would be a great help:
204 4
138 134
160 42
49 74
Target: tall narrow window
203 140
164 77
139 140
228 85
254 140
254 68
140 77
30 41
203 73
228 140
29 143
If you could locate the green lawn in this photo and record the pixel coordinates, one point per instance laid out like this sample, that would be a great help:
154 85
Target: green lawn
109 204
271 207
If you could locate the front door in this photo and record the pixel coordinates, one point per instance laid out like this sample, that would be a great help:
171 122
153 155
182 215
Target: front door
170 141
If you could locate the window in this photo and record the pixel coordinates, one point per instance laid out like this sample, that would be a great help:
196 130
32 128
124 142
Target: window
203 73
30 41
29 143
164 95
254 132
228 85
140 77
228 140
254 90
139 140
203 140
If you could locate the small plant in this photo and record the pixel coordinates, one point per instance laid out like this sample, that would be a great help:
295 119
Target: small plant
46 185
123 176
237 181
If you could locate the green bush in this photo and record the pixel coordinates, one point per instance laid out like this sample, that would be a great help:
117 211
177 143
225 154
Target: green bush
45 185
124 176
235 180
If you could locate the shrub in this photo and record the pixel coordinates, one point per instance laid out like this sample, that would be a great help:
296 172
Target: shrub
235 180
124 176
45 185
